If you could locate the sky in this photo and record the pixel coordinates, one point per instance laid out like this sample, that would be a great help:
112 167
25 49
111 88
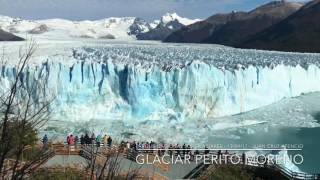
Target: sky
99 9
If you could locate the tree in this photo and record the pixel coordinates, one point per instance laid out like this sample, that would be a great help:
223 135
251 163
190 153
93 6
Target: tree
24 107
105 164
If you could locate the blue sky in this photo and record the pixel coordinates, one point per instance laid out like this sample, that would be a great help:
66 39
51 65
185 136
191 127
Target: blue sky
98 9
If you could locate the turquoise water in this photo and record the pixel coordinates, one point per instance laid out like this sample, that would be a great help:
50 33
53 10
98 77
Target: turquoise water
276 132
308 137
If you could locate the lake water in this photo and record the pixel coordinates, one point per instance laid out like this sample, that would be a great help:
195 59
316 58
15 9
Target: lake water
266 134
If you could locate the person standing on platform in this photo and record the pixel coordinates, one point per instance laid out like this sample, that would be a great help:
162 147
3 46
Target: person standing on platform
93 139
82 142
105 140
87 139
45 141
76 139
98 140
109 141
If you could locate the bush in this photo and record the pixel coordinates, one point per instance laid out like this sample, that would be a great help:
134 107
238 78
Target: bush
58 174
227 172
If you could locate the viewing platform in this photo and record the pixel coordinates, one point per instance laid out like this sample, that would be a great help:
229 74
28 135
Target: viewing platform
80 156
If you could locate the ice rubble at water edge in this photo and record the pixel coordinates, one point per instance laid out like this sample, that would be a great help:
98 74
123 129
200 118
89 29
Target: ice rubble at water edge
135 82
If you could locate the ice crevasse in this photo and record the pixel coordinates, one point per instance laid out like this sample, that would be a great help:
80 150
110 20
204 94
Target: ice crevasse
134 84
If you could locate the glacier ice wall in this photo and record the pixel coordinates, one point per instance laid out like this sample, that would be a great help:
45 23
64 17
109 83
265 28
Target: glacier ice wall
114 84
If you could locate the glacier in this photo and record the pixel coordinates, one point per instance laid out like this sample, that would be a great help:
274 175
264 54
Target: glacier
172 93
148 82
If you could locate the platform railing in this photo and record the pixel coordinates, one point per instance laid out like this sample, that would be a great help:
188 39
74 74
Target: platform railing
129 153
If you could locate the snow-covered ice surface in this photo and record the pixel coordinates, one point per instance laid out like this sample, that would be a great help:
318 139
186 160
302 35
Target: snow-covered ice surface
169 92
120 28
109 28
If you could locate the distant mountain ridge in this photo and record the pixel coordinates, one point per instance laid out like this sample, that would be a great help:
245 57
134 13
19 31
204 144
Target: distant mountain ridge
277 25
109 28
230 29
299 32
124 28
167 25
5 36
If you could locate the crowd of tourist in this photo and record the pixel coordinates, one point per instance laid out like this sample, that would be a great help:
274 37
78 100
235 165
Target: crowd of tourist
142 147
139 147
84 140
136 147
